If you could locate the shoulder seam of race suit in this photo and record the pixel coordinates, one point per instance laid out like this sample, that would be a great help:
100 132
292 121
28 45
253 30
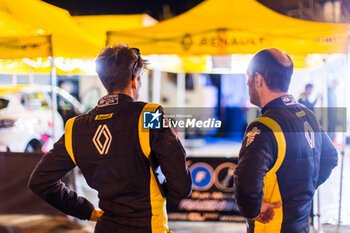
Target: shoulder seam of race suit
68 136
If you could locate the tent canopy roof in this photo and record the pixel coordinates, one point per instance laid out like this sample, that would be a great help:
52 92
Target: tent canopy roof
18 39
217 27
98 25
68 39
10 26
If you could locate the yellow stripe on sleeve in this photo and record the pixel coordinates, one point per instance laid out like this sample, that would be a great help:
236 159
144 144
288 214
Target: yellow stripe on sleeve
68 138
271 188
281 141
159 223
144 133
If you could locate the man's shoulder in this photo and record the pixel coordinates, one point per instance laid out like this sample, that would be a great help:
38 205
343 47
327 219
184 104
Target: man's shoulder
282 113
296 110
267 124
149 106
258 126
107 112
259 122
257 133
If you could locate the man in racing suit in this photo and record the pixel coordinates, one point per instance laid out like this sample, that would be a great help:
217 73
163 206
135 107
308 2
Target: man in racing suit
118 154
285 155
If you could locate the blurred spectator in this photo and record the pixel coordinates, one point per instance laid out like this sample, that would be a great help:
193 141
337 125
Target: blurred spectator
304 97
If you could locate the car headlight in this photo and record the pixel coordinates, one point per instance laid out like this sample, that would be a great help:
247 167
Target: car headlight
6 123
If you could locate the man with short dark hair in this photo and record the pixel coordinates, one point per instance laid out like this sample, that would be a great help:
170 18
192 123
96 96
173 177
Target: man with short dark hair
304 97
285 154
118 155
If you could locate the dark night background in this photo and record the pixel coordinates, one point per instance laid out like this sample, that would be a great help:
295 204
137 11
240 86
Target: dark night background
151 7
162 9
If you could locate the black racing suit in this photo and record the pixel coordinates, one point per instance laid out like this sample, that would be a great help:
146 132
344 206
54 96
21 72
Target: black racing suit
114 152
285 156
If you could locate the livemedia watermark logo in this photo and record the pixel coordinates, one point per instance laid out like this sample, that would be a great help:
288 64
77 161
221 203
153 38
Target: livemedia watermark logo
152 120
198 120
234 120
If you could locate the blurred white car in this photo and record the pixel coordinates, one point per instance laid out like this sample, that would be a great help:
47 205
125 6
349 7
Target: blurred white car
26 117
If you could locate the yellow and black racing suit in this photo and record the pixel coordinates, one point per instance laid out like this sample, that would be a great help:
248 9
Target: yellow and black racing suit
285 156
115 152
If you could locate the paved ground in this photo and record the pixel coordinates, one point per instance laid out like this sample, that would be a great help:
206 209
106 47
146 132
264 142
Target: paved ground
43 224
329 194
335 229
329 209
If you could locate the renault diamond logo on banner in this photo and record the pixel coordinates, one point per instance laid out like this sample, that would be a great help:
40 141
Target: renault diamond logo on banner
102 139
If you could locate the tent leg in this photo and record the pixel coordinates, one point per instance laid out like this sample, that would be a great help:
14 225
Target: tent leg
157 74
181 90
145 87
319 225
14 79
341 184
343 139
316 218
181 99
53 98
31 77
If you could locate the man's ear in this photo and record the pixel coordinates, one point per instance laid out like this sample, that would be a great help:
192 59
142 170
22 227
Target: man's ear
133 82
259 80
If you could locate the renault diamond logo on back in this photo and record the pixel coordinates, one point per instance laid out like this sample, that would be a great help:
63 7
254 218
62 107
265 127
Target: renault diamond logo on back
102 139
151 120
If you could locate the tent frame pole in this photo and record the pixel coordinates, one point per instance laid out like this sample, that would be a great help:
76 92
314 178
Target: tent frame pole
156 85
342 153
181 99
53 98
53 78
181 89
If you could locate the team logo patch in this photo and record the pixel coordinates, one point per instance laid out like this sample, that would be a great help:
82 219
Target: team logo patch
103 116
102 139
288 100
151 120
108 100
300 113
250 136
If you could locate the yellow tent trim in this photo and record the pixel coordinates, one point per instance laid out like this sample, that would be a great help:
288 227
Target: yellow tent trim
18 39
219 27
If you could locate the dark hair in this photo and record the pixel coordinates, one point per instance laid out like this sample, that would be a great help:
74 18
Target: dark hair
276 75
115 66
309 85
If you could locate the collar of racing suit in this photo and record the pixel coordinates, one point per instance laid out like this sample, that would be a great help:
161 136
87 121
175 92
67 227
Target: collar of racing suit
280 102
114 99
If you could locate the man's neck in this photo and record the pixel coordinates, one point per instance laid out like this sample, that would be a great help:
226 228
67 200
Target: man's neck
129 93
271 96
